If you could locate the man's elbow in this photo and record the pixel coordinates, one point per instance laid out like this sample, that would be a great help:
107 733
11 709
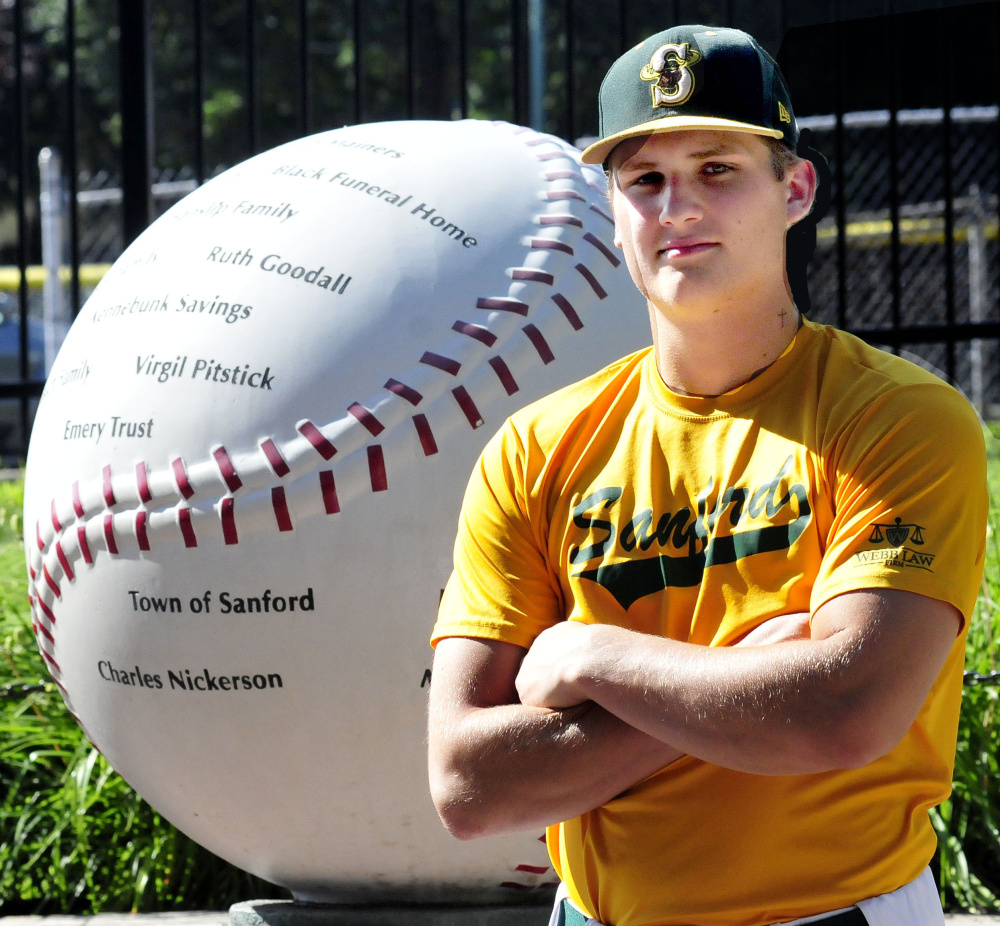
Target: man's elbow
463 814
859 737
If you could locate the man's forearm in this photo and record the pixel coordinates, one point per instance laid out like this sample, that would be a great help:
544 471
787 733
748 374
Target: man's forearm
497 768
512 768
840 699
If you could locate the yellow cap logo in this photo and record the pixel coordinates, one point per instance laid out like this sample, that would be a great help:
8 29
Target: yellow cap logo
783 114
669 70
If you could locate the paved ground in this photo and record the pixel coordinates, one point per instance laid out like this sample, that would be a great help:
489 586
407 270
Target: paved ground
222 919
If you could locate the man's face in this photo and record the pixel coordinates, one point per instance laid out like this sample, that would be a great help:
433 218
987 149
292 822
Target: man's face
701 218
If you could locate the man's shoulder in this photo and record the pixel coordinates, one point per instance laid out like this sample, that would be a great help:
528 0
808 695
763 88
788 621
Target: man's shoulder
552 414
864 388
848 356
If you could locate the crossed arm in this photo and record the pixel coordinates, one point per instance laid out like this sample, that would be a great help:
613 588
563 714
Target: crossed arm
521 739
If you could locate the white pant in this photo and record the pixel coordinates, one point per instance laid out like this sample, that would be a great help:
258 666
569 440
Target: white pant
913 904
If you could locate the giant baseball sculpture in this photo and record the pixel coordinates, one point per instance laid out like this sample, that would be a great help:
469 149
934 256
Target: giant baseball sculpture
246 470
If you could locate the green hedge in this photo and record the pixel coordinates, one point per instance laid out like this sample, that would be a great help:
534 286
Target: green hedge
74 838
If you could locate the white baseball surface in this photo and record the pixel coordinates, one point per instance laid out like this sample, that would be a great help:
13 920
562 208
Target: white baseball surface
246 470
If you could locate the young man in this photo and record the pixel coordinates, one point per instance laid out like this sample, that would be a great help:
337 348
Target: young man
709 605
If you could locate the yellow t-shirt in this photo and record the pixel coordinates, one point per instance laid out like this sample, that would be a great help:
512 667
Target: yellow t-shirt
617 501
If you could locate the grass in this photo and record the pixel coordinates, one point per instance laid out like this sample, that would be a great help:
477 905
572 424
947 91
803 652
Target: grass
968 824
75 839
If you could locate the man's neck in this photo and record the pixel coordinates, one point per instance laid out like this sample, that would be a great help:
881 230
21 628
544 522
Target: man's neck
715 352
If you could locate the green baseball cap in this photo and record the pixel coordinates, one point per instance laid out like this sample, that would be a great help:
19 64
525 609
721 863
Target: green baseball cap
693 77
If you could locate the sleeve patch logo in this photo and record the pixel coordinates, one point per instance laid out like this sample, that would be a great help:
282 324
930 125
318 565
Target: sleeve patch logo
896 534
669 70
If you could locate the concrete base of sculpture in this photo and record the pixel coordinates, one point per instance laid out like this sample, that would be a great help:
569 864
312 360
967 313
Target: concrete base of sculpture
292 913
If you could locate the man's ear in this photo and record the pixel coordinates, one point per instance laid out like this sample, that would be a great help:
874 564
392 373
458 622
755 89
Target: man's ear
801 183
611 206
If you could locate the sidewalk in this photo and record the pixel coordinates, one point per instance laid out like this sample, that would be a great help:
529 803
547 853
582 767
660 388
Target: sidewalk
222 919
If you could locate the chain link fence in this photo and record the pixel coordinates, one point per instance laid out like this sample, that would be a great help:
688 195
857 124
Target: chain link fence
915 242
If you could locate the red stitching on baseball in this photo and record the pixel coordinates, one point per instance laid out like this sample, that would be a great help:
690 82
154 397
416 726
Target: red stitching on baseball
280 506
180 474
376 469
425 434
38 536
329 489
41 628
47 612
564 194
503 303
64 562
55 518
51 662
229 522
567 309
534 276
475 331
562 175
109 534
226 468
551 155
81 534
533 869
274 458
603 248
468 406
315 437
601 213
539 343
50 581
592 280
551 244
142 481
77 504
187 528
371 423
403 391
446 364
109 494
537 140
503 373
560 220
140 530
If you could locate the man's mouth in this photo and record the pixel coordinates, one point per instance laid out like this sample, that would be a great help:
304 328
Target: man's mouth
680 249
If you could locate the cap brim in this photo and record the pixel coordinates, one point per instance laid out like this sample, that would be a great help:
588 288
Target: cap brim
598 152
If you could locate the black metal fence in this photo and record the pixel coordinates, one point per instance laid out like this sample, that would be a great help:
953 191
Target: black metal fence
144 99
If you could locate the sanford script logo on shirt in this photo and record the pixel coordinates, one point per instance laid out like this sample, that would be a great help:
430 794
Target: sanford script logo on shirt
761 520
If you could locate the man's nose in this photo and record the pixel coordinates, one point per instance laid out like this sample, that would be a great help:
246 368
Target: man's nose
679 202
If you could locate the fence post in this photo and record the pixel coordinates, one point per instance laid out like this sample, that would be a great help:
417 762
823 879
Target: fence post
136 82
977 290
50 198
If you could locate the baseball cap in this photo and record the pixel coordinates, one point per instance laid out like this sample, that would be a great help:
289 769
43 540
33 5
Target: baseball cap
693 77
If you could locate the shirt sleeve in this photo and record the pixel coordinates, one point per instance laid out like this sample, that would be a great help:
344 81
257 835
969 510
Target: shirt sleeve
910 499
501 587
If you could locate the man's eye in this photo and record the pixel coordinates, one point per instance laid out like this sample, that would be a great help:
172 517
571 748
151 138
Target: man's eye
716 169
650 179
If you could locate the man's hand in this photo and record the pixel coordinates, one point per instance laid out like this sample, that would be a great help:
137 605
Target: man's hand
548 675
